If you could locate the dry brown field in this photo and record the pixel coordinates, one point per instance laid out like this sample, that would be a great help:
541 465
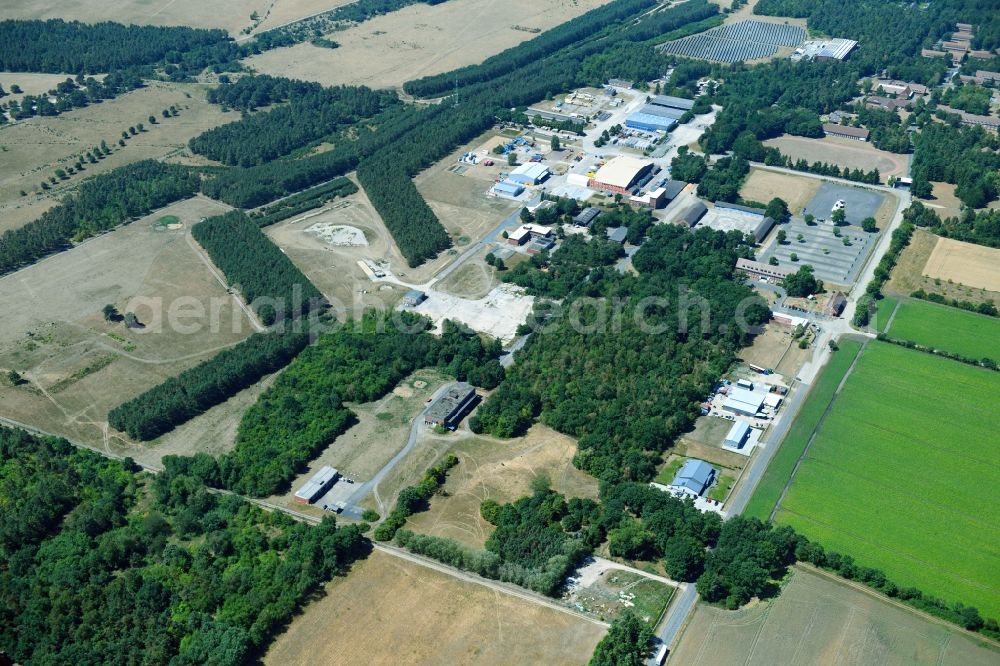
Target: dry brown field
473 280
912 272
78 365
842 152
419 40
501 471
390 611
827 622
31 150
944 203
797 191
965 263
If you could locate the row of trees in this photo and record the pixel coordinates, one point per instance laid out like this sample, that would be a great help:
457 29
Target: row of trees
312 113
73 94
966 157
181 398
916 214
304 409
303 201
415 498
267 278
100 203
145 571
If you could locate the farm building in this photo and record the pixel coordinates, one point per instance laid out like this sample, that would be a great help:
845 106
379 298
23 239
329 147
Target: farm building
620 174
845 131
758 269
586 217
743 402
693 213
316 486
531 173
738 435
413 298
693 478
672 102
617 234
649 123
449 409
508 189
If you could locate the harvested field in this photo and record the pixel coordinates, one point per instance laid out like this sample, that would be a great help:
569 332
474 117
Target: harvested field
826 622
878 480
33 149
414 615
419 40
502 472
911 272
965 263
53 332
842 152
944 201
763 186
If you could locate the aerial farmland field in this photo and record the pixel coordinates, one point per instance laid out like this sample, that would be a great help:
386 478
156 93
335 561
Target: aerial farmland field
951 329
906 480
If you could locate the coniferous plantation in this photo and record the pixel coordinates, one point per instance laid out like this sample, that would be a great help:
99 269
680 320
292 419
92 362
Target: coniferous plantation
181 398
100 564
101 203
267 278
304 410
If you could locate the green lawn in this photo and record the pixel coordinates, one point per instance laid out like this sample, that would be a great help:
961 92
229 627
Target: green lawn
904 475
942 327
719 491
668 473
780 469
884 306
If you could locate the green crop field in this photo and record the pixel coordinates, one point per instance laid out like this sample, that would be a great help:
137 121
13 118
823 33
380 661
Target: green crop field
904 475
780 468
942 327
883 312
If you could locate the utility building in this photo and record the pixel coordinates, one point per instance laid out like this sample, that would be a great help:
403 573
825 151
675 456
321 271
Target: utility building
531 173
317 485
672 102
449 409
738 435
744 402
693 478
508 189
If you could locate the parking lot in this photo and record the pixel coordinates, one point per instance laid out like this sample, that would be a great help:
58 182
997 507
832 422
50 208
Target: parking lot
831 259
859 203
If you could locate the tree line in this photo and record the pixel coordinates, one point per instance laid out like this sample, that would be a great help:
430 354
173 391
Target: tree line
268 280
303 201
101 203
966 157
211 382
72 94
157 571
304 409
415 498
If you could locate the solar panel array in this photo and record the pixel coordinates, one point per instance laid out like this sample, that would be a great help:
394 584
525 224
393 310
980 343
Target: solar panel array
746 40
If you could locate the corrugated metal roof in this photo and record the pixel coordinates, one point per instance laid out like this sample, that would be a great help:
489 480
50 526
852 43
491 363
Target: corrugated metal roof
675 102
621 171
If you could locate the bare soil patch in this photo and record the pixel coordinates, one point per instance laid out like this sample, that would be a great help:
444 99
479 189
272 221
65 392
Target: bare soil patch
33 149
54 334
944 203
419 40
797 191
390 611
501 471
842 152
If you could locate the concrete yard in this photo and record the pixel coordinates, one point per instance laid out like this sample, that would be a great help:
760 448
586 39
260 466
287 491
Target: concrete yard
499 313
832 260
859 203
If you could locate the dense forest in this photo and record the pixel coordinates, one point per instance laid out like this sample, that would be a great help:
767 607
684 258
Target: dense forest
142 570
304 409
100 203
303 201
312 112
964 156
627 387
181 398
58 46
267 278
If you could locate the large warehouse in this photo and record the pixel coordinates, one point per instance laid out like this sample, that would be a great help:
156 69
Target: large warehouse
620 174
665 111
743 402
673 102
531 173
649 122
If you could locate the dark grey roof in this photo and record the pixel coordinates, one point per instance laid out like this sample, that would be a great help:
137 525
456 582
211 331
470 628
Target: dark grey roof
585 217
673 188
745 209
675 102
448 404
693 213
617 234
662 111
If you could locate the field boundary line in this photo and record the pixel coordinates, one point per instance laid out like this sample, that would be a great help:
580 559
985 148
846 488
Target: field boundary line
892 316
982 638
819 425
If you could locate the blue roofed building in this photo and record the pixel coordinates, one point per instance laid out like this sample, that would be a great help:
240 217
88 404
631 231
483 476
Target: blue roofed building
650 123
693 478
508 189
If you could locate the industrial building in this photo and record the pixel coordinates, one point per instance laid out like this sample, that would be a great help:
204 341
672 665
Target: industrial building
846 131
586 217
664 111
527 232
648 122
738 435
672 188
760 225
449 409
539 245
617 234
693 478
531 173
743 402
413 298
694 212
757 269
672 102
656 198
835 49
555 116
508 189
316 486
620 174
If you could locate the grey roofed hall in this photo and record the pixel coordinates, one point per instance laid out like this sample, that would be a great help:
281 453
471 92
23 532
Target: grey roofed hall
693 213
617 234
694 475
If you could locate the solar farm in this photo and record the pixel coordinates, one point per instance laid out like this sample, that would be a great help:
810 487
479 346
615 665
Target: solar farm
746 40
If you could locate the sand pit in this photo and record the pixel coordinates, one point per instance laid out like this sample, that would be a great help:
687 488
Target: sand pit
338 234
965 263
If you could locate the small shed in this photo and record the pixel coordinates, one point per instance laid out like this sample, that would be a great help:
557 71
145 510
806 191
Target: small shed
413 298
